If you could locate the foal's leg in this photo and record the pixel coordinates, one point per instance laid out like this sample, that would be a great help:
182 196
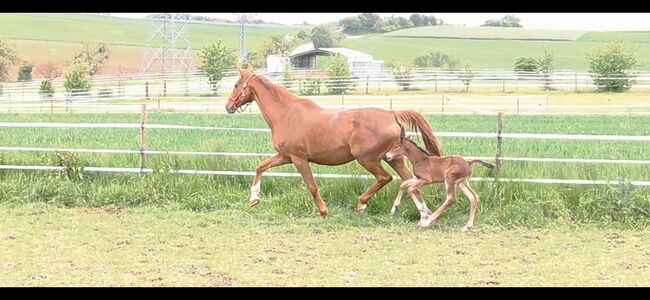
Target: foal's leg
382 177
303 167
450 186
399 165
266 164
413 185
473 199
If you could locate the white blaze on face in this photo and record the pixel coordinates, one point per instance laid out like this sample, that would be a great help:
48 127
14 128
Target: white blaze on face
255 191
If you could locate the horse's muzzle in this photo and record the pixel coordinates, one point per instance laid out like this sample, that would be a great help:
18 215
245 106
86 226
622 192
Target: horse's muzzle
230 110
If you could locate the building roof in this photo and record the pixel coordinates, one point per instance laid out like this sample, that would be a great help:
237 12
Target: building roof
309 49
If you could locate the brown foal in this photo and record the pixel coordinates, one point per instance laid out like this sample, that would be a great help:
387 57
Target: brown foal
454 171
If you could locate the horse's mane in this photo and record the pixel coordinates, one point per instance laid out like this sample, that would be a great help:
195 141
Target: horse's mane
278 91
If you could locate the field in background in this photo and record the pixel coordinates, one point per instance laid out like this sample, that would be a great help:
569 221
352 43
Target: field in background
501 33
55 37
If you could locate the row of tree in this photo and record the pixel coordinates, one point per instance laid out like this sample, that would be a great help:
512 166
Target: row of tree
85 63
369 22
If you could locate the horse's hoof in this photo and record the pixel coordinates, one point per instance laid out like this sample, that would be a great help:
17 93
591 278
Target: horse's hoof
254 202
426 222
323 214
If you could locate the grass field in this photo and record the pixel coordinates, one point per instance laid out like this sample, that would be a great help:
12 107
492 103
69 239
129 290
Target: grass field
501 33
43 245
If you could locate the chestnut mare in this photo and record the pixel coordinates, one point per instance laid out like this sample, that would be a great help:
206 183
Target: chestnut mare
303 132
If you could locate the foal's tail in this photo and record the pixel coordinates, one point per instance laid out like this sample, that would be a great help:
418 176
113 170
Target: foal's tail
417 122
485 164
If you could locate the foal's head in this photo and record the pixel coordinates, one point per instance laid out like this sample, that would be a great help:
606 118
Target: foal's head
241 94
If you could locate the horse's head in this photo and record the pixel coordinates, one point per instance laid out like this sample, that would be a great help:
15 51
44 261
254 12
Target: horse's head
241 94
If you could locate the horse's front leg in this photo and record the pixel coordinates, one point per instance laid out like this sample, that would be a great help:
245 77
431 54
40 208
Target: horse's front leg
266 164
303 167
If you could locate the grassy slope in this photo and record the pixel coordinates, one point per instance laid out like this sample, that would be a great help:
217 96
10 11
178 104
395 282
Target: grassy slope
487 33
484 54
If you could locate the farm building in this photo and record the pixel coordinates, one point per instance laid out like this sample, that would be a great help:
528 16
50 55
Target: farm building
304 58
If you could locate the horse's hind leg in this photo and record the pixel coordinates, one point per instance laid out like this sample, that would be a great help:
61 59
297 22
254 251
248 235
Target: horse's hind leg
382 177
266 164
473 200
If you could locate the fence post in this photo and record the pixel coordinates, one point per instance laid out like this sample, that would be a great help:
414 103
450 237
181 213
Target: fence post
143 137
503 89
435 81
517 105
367 79
498 155
576 81
146 89
164 90
442 103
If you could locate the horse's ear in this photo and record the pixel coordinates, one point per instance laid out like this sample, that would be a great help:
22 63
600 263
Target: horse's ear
250 67
241 72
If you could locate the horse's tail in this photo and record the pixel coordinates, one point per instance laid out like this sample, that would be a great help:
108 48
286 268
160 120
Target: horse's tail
417 122
485 164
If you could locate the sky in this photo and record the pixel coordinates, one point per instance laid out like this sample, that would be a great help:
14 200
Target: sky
569 21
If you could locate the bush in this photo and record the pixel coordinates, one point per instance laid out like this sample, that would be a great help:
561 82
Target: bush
610 66
25 72
311 86
46 89
77 79
403 77
339 75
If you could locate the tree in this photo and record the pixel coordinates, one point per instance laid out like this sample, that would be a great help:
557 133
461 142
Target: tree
526 64
287 74
217 58
46 89
321 37
77 79
302 35
48 70
418 20
507 21
402 74
545 65
277 45
339 75
25 72
511 21
7 58
93 55
610 66
467 76
435 60
368 20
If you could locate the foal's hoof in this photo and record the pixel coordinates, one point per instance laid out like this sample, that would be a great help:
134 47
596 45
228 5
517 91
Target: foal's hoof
393 211
254 202
423 223
465 229
362 212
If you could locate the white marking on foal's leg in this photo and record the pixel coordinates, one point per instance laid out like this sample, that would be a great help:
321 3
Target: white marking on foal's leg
397 202
255 192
